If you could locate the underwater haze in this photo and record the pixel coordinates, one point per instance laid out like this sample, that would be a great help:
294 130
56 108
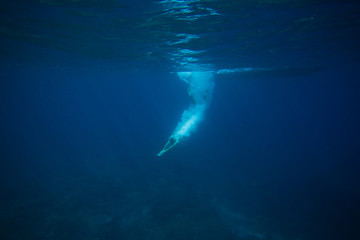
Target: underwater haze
179 120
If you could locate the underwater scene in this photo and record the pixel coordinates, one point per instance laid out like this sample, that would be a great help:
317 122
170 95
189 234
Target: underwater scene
179 120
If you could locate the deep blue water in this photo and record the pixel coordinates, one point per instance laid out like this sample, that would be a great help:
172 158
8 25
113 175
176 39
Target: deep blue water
89 95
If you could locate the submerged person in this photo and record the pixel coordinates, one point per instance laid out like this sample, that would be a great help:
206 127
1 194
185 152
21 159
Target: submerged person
200 90
169 145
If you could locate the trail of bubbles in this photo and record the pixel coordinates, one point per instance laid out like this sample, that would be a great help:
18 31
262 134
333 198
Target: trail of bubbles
201 86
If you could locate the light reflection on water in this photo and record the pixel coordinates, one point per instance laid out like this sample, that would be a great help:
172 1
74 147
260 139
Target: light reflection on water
170 34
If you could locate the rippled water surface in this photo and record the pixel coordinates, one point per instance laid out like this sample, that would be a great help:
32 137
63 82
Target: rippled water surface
171 34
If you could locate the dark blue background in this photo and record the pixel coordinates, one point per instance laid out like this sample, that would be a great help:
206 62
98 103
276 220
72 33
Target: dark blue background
82 119
282 149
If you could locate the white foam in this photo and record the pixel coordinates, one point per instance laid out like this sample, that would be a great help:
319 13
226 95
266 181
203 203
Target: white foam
201 86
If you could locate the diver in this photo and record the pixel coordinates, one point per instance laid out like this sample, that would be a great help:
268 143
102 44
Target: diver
169 145
200 86
172 141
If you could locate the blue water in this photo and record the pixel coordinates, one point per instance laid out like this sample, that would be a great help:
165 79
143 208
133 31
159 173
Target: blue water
89 95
